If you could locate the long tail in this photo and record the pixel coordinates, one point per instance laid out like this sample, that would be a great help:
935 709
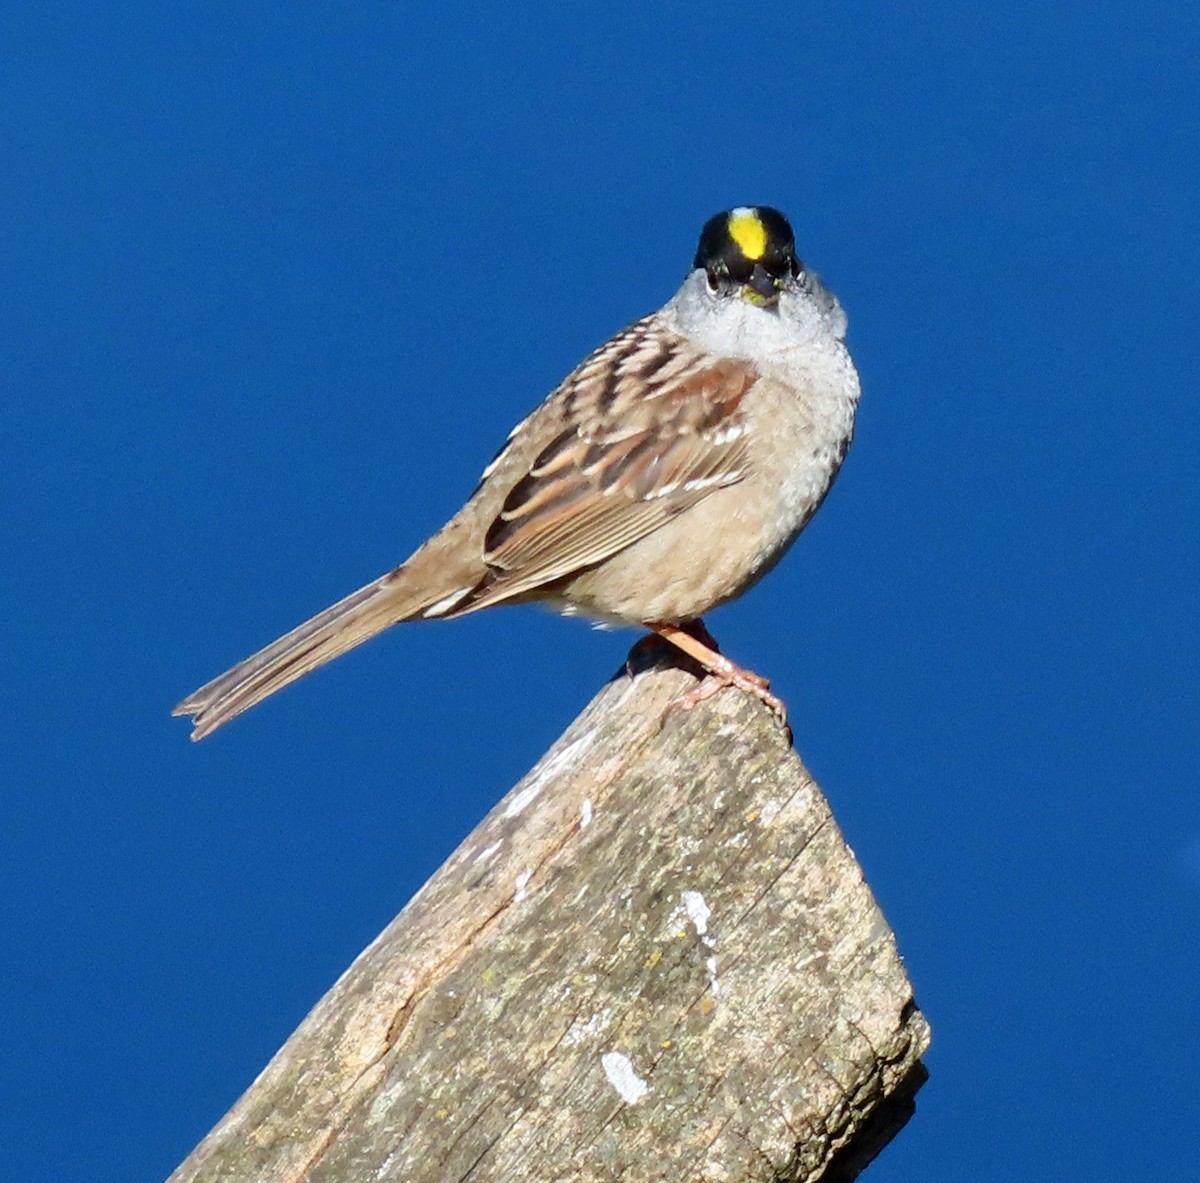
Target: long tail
327 635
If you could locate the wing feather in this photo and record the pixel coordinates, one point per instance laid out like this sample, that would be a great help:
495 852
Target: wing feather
646 427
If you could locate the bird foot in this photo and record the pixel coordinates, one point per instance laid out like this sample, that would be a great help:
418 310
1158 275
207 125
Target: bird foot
720 672
741 679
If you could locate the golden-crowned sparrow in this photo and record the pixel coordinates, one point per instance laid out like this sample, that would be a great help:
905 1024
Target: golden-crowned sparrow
665 475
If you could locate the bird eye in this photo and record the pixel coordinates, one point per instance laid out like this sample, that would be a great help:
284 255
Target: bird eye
713 281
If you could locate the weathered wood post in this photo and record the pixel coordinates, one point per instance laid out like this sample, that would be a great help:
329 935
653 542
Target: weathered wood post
655 959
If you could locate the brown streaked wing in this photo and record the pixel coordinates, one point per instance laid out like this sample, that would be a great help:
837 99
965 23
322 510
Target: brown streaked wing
649 427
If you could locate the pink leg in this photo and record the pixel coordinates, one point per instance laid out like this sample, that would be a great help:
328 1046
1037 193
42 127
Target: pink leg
696 641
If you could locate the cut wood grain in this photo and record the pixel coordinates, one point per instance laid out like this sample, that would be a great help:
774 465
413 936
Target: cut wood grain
656 958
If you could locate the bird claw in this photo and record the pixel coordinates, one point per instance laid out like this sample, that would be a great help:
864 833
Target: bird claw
740 679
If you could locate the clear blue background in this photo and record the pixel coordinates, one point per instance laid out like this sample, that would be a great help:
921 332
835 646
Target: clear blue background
275 282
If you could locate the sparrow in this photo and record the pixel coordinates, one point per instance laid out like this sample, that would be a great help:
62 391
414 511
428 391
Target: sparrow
665 476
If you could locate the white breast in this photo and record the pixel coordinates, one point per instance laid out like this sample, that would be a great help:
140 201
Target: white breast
801 344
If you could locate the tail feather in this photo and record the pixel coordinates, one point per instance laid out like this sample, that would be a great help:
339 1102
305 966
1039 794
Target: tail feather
327 635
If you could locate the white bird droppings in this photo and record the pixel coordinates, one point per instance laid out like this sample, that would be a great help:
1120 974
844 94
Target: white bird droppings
621 1075
699 913
585 813
522 882
710 967
523 798
487 852
535 786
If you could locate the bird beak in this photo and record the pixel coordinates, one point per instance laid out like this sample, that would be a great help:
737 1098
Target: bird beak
762 289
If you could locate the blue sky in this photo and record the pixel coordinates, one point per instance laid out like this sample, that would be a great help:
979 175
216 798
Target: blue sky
275 284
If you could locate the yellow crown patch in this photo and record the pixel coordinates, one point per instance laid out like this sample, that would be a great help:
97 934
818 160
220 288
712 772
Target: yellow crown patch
747 230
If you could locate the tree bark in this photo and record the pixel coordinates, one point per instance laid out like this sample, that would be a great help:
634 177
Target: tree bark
655 959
